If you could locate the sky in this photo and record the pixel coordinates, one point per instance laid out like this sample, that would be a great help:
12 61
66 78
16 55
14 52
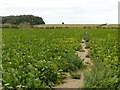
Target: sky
67 11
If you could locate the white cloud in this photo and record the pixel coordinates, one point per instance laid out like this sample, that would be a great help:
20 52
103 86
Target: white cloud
69 11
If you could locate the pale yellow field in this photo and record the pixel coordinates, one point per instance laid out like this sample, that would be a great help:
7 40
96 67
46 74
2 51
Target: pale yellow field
75 25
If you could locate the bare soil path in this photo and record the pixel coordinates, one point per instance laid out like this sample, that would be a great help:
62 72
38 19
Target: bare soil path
77 83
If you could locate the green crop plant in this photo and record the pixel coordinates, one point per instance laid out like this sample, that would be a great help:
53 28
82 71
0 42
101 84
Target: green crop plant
37 58
104 53
34 58
75 75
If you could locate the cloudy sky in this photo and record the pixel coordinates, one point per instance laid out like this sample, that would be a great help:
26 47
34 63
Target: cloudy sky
68 11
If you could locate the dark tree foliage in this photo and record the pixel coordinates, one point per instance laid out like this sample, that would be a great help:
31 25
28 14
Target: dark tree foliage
62 22
33 20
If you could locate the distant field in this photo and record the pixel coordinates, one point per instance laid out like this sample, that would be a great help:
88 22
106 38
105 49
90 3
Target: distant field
59 26
78 25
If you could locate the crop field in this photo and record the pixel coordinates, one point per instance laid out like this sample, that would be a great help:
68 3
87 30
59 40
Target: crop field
37 58
104 53
76 26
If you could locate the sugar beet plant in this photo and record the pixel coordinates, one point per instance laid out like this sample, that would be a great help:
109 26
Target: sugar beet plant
104 53
37 58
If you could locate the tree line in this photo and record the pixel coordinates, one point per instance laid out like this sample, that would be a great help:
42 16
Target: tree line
33 20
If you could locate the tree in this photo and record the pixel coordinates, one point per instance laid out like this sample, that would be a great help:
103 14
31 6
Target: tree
62 22
33 20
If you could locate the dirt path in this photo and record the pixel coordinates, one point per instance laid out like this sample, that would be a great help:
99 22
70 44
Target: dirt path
83 54
77 83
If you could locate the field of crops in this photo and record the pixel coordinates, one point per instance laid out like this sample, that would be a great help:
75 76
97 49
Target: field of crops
37 58
104 53
76 26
